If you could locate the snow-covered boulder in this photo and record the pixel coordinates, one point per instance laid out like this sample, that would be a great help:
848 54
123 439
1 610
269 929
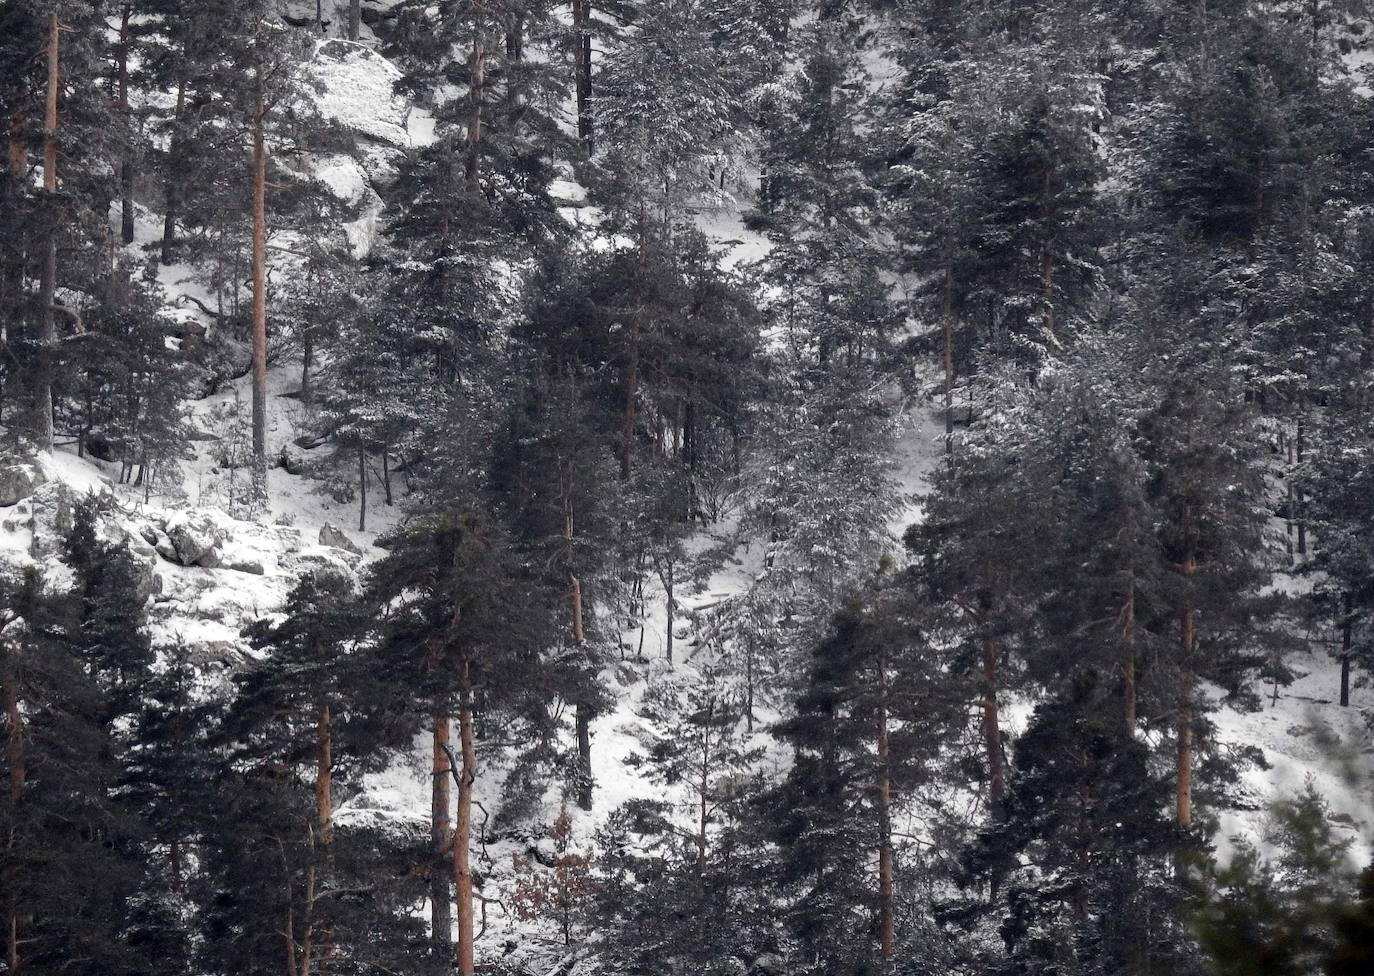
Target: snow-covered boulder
194 537
358 91
241 558
19 480
332 535
322 560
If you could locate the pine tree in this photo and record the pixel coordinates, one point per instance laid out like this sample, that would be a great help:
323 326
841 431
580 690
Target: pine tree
455 644
874 709
1082 867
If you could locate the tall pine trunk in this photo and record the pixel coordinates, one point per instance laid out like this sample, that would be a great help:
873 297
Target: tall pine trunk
14 757
355 19
47 333
582 714
992 730
462 832
126 166
1347 628
582 70
324 766
441 916
629 420
1183 779
362 490
582 711
259 292
1128 684
947 318
476 93
172 191
322 932
886 926
627 429
703 789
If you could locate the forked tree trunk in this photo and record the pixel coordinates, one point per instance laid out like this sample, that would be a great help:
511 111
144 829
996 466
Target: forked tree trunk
462 833
440 905
259 292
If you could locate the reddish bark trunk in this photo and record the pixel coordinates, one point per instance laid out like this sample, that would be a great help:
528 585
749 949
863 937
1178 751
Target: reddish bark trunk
441 917
886 925
259 275
462 834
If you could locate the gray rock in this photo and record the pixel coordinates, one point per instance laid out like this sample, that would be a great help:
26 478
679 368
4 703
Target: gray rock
149 581
288 536
243 562
291 463
18 481
193 537
322 560
52 519
332 535
210 559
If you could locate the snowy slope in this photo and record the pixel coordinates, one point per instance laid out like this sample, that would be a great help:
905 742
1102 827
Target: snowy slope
206 607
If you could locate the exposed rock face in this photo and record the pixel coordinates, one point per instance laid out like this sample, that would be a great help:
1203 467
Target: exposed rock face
194 538
332 535
19 480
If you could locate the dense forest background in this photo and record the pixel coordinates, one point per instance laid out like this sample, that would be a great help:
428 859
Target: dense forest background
839 487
